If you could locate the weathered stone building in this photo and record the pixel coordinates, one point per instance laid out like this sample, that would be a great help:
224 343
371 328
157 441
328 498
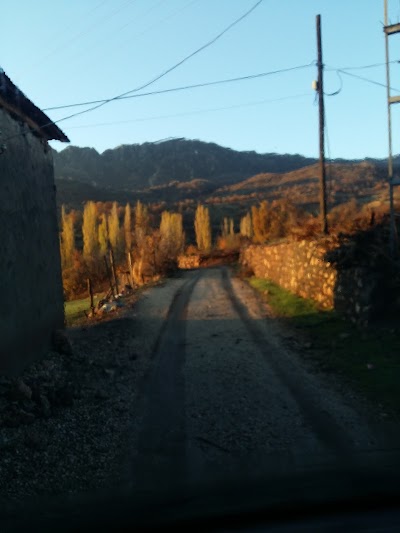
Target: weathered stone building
31 295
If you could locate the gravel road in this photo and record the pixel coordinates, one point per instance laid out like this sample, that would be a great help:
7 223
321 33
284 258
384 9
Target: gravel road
226 396
191 381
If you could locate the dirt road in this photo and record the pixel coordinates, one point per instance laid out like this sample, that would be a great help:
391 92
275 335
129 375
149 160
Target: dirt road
225 394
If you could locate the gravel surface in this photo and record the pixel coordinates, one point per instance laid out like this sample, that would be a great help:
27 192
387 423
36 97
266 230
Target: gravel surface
228 395
65 425
192 380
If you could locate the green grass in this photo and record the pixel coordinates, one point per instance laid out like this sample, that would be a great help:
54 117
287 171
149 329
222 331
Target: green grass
283 302
340 347
74 310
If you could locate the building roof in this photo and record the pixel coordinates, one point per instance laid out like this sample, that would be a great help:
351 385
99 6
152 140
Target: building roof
16 103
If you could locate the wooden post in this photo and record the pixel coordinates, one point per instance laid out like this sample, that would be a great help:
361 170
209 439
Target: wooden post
320 89
109 276
112 262
130 268
90 290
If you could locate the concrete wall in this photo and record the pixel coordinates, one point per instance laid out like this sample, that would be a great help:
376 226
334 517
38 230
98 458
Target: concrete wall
31 295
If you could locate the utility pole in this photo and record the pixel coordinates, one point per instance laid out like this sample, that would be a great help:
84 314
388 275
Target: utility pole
320 90
390 30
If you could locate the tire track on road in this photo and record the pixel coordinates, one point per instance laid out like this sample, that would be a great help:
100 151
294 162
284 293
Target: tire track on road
161 452
326 428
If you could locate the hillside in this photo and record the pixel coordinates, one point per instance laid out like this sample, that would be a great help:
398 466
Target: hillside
182 171
363 181
139 166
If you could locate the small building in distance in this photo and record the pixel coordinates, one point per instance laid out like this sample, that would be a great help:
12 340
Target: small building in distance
31 293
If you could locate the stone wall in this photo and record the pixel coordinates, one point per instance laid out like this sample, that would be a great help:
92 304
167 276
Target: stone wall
189 261
31 295
355 289
297 266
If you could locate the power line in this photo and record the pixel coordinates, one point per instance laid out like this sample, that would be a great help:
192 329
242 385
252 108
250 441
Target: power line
362 67
84 31
342 70
198 112
188 87
335 93
165 72
366 79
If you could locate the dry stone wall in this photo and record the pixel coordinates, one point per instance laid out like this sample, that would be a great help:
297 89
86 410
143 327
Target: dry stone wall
355 290
297 266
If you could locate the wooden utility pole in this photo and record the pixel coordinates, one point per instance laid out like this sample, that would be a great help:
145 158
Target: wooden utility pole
320 90
390 30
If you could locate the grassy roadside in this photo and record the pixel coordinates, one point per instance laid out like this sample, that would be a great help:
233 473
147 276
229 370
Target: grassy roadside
75 309
369 359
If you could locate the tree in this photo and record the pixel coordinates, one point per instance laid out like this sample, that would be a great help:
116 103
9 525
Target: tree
89 230
202 226
114 230
225 227
172 236
228 240
128 228
260 217
67 238
141 222
246 229
102 231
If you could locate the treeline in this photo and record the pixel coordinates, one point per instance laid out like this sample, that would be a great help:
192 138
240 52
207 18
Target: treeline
151 245
152 250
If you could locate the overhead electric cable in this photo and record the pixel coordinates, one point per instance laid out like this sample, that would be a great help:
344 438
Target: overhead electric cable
187 87
366 79
197 112
106 17
373 65
164 73
170 69
340 87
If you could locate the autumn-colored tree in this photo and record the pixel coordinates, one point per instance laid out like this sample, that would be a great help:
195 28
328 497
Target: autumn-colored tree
102 232
142 223
202 226
246 229
114 230
67 238
260 218
225 227
228 240
128 228
89 230
172 236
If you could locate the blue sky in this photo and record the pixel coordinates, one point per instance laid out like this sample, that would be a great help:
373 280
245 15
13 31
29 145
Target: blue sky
72 51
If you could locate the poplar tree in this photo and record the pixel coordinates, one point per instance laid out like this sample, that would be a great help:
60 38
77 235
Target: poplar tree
141 223
114 229
261 221
128 228
67 238
89 230
246 229
102 232
202 226
172 236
